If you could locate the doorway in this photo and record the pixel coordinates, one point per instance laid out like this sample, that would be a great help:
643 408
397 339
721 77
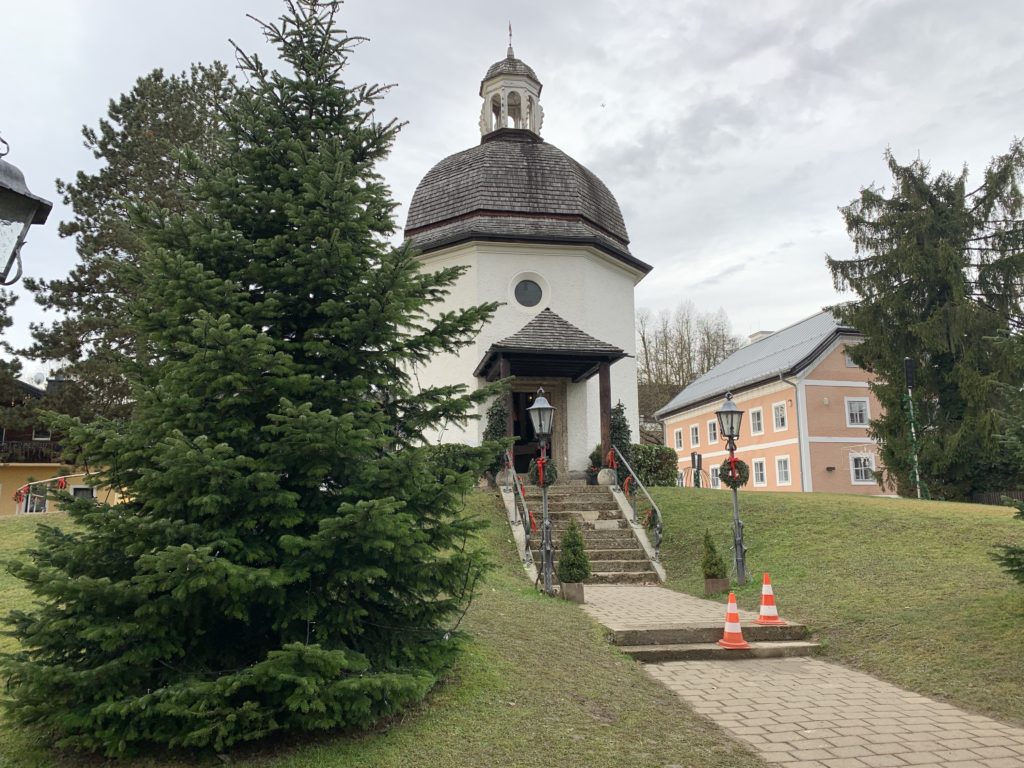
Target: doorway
527 446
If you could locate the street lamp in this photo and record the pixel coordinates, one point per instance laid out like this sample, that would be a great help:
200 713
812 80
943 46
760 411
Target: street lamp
19 209
729 419
542 415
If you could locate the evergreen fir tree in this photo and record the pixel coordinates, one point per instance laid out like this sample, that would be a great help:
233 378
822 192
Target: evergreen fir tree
573 563
622 438
287 557
938 276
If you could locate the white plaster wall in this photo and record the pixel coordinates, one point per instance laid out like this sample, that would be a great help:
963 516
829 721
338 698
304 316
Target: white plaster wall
582 285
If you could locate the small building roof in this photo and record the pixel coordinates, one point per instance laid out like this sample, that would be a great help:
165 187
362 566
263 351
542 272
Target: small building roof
782 353
552 345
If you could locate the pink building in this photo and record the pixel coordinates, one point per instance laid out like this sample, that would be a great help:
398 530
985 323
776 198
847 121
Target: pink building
807 410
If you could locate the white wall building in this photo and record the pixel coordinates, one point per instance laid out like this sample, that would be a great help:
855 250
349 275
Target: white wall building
542 234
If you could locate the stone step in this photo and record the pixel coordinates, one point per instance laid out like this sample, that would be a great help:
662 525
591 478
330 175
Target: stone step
619 577
680 634
595 555
575 505
558 489
608 566
656 654
581 515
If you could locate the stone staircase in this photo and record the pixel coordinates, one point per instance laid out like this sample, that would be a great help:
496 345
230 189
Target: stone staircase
616 556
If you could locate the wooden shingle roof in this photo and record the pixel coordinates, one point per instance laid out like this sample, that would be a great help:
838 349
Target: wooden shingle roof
516 187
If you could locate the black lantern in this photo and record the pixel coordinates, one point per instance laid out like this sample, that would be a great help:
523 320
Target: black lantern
729 418
542 414
19 209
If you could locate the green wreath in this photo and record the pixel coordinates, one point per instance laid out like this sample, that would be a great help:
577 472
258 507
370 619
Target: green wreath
550 473
742 474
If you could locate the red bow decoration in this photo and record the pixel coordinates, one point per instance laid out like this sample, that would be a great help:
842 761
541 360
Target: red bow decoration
62 483
610 461
533 522
732 467
19 494
625 485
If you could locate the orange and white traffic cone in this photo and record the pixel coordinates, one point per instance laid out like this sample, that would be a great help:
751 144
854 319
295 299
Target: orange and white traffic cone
769 613
733 636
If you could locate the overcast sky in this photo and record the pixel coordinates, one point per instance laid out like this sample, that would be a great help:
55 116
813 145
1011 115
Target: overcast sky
730 132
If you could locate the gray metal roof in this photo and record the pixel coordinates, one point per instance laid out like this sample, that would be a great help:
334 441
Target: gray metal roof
515 186
782 353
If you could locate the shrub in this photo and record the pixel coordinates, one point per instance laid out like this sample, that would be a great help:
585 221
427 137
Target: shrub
494 430
654 464
712 563
573 563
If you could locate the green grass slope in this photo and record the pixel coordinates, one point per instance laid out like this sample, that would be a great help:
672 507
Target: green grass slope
537 685
903 589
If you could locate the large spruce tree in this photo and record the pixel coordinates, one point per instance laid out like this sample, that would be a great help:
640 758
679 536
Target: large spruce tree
142 145
285 556
938 275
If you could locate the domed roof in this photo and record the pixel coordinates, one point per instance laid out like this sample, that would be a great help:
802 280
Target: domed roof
515 187
510 65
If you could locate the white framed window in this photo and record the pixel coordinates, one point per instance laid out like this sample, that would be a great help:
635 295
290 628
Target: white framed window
716 481
779 420
847 359
782 475
756 421
694 436
679 439
857 414
40 433
83 492
712 432
862 469
759 472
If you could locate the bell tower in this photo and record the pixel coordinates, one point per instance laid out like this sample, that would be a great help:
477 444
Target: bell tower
511 96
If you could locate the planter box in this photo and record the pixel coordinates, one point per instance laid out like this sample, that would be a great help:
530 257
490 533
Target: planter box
715 586
572 592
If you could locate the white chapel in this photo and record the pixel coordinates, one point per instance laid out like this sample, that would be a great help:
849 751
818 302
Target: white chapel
542 234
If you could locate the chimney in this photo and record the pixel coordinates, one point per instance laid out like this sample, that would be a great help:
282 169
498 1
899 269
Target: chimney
758 335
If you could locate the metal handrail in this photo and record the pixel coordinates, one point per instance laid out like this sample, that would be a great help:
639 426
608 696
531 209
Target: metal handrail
522 510
658 524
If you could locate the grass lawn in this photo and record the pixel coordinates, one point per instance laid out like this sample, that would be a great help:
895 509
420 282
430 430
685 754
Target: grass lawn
537 685
903 589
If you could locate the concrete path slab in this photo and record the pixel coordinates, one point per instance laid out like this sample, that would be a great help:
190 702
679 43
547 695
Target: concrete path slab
639 607
807 713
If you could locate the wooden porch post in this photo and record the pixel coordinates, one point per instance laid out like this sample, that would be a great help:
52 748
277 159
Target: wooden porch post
605 385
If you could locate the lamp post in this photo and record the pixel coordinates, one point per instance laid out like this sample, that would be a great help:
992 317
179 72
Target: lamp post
19 209
729 419
542 415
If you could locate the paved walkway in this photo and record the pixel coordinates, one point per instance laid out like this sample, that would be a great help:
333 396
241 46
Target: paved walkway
807 713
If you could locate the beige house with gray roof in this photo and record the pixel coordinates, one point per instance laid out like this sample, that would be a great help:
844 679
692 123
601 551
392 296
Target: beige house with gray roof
807 408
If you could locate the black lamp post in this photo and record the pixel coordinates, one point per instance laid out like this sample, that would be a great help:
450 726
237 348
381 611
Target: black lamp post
729 419
19 209
542 415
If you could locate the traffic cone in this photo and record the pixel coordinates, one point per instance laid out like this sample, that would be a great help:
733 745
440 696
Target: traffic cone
769 613
733 636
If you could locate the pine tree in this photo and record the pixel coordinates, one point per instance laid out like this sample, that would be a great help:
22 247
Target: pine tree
938 275
142 144
622 438
286 556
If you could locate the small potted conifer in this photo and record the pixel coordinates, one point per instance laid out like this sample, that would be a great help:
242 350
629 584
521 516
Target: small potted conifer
573 564
715 573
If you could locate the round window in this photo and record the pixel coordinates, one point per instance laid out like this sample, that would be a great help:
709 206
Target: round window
528 293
